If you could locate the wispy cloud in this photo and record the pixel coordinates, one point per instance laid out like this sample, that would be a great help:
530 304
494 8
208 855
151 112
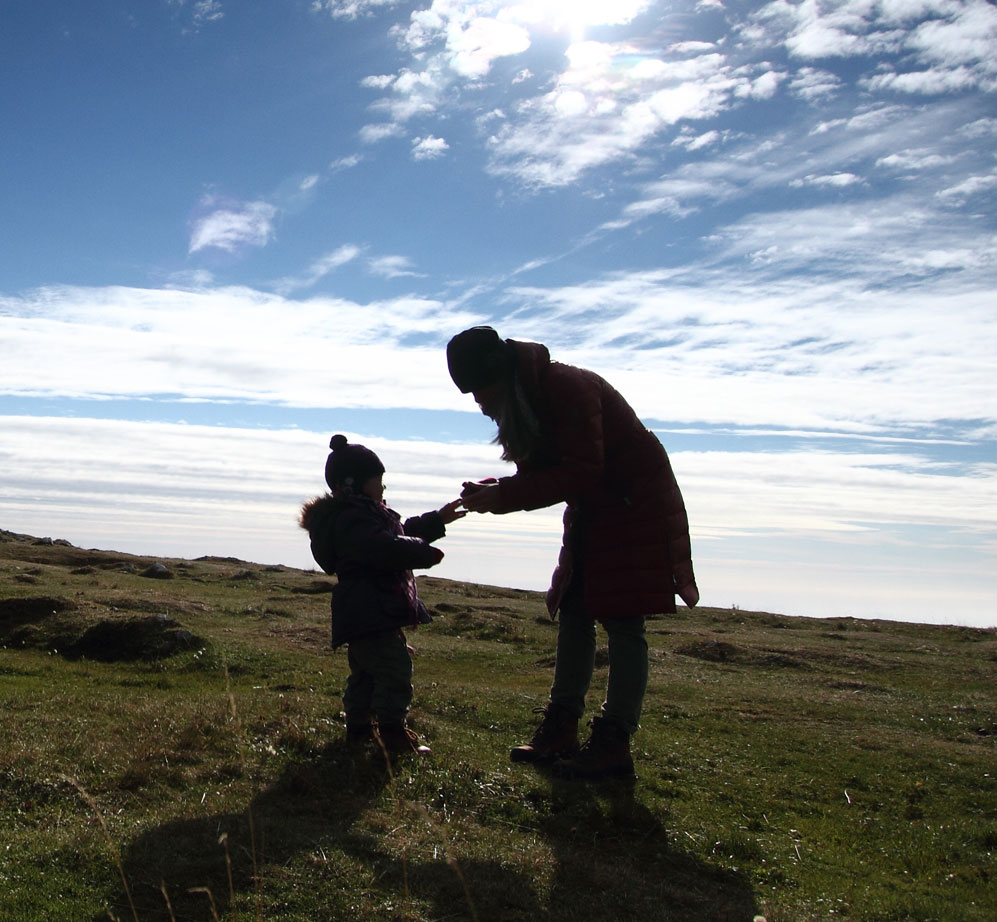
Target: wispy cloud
345 163
319 269
751 355
606 105
611 99
392 267
198 12
231 226
83 479
227 344
352 9
937 46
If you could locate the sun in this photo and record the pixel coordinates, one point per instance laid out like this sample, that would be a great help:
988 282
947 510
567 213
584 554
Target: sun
575 16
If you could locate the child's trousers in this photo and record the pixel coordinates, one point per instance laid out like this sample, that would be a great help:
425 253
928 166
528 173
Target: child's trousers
380 680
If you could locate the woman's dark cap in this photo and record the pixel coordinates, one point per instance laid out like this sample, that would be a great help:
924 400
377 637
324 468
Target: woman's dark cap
479 357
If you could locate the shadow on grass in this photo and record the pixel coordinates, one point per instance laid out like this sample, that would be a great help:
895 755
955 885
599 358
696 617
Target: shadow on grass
612 860
615 861
202 862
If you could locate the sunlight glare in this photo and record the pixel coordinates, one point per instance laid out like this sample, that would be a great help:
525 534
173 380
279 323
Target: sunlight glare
574 16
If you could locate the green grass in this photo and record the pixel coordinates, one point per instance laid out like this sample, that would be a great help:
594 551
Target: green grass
791 768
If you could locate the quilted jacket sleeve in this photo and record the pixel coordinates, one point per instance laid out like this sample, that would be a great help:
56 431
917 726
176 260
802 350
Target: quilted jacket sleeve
428 526
369 541
573 413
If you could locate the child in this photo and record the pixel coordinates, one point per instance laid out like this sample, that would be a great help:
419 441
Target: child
357 537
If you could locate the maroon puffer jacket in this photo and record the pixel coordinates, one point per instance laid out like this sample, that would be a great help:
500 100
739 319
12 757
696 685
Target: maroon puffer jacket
625 525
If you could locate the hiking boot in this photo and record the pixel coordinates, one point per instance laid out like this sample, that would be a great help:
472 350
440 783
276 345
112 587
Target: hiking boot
556 736
358 735
398 740
605 754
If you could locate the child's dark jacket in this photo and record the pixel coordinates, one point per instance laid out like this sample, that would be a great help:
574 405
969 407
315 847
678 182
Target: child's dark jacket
373 554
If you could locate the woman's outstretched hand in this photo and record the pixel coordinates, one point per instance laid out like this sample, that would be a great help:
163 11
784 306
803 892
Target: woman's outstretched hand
481 497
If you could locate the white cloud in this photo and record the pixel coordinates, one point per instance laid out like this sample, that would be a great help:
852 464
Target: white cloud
380 131
814 84
345 163
981 128
226 344
831 152
378 81
935 81
969 187
948 45
692 141
199 12
429 148
352 9
472 47
915 160
965 36
805 520
809 358
391 267
837 180
231 226
608 103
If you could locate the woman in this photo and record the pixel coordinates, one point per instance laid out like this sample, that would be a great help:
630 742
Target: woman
626 551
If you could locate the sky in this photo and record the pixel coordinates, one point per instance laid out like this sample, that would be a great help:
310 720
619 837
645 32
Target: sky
231 229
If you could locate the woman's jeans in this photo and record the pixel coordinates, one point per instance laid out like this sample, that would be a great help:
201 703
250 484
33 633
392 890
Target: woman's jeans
576 661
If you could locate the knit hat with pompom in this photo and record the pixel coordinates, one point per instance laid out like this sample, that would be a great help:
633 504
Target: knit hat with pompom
350 465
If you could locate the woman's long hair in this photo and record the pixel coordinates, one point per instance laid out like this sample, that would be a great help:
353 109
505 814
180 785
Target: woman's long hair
518 426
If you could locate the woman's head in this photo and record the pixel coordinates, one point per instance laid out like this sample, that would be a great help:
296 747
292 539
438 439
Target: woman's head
479 358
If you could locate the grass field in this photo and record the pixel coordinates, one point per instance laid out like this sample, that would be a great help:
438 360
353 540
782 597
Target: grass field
171 749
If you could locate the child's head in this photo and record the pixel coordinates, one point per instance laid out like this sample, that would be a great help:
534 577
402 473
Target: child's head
354 467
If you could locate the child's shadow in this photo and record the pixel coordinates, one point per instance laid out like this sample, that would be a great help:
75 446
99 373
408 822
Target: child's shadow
220 854
313 802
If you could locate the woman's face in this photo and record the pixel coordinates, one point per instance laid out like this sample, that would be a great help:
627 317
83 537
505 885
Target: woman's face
490 398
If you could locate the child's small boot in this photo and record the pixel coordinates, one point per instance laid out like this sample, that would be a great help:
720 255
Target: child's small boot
605 754
359 734
399 740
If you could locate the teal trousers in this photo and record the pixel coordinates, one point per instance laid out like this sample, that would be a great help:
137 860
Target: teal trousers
575 662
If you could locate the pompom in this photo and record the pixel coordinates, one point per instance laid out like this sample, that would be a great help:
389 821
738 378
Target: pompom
337 442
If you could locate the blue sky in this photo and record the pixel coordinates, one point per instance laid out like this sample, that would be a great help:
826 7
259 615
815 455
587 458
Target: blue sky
232 229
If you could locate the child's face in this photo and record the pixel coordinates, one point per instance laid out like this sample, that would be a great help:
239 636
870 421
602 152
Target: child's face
374 488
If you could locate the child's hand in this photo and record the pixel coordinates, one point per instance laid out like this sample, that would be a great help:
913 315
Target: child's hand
451 512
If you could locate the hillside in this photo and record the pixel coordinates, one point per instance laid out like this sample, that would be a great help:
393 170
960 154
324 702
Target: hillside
171 748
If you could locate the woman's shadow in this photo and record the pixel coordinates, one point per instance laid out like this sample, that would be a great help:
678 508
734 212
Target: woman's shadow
615 860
